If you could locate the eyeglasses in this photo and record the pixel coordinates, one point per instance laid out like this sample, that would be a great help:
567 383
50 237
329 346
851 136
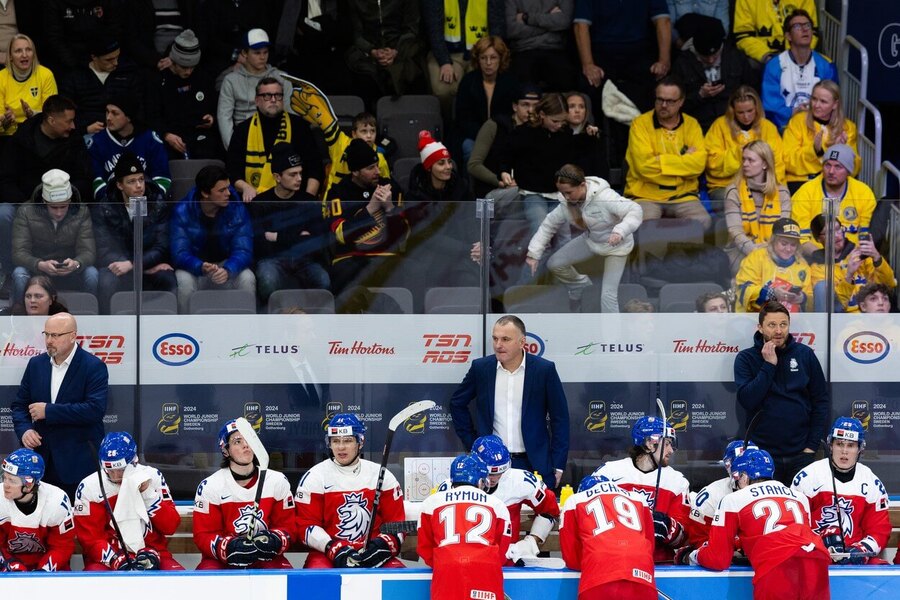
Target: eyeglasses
667 101
54 336
268 96
805 26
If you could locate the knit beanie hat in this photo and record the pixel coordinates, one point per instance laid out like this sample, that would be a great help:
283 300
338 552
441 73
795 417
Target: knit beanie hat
360 155
185 50
128 164
55 186
431 151
842 153
126 104
284 157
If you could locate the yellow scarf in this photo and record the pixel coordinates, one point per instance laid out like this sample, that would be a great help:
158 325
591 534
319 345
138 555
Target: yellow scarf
476 24
758 226
258 171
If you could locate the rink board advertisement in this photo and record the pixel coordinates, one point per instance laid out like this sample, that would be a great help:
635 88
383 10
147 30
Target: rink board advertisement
678 583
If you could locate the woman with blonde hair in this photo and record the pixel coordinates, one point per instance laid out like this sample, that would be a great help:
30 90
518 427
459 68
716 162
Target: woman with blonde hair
753 202
744 121
809 133
24 84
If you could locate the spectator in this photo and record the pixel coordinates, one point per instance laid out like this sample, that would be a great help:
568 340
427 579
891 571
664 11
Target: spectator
183 103
20 17
775 272
810 133
781 548
60 421
52 234
534 154
150 28
364 212
290 236
856 200
586 141
223 26
848 503
684 13
782 379
635 305
713 302
758 27
24 86
647 471
452 29
710 71
249 159
114 225
212 238
386 47
873 298
237 98
538 35
91 86
855 266
607 222
787 82
485 92
754 202
72 28
742 123
41 299
536 432
364 127
490 143
666 156
123 132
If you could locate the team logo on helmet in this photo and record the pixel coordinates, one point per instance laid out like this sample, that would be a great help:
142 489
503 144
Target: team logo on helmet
354 515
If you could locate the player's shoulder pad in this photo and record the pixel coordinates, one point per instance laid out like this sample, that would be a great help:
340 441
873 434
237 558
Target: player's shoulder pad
278 484
313 481
675 481
56 505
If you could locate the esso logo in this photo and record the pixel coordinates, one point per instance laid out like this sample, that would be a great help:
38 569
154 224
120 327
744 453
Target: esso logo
534 344
176 349
866 347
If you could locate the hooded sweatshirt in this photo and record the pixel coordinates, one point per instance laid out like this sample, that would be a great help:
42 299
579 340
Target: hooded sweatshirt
237 99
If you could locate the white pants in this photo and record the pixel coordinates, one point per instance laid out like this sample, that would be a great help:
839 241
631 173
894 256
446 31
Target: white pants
576 251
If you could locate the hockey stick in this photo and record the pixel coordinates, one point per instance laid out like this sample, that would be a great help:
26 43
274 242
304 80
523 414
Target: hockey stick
395 422
259 451
396 527
661 446
837 504
836 556
750 427
541 562
109 510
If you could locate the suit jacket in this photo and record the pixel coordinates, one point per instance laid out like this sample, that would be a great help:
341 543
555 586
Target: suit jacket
74 420
542 395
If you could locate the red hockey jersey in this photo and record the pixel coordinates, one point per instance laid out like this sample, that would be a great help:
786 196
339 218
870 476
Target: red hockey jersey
43 540
464 534
772 523
863 503
335 502
94 528
606 533
674 493
223 508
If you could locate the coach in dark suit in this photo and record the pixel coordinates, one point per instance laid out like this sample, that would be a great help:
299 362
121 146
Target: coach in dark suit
528 389
60 405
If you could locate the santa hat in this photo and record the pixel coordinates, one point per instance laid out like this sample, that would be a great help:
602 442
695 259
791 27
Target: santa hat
431 151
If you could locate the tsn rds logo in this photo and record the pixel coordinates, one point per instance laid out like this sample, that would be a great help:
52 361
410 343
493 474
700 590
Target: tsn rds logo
867 347
447 348
104 347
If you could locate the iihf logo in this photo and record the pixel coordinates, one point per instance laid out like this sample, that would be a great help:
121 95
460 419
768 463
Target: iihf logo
354 514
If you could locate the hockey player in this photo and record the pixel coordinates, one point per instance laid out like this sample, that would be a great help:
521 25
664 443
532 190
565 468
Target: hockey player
334 504
705 503
861 506
772 523
157 515
607 533
229 529
36 528
637 473
464 535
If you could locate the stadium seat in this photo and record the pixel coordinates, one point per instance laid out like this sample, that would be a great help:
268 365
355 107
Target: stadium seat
80 303
152 303
536 299
402 296
222 302
402 118
682 297
345 108
462 300
188 169
401 169
314 302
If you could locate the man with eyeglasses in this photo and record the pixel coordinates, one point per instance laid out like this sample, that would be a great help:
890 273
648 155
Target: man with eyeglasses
759 27
789 79
249 160
60 422
666 156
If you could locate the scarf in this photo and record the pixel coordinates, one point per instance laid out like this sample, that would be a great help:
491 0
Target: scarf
476 24
758 221
258 170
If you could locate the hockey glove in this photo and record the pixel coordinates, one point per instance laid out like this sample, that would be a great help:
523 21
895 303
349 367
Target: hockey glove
146 560
860 552
238 551
379 550
668 531
342 554
685 555
833 541
527 546
269 544
120 562
12 565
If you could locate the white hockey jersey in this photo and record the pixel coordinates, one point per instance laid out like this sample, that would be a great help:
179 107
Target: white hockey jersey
703 509
43 540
